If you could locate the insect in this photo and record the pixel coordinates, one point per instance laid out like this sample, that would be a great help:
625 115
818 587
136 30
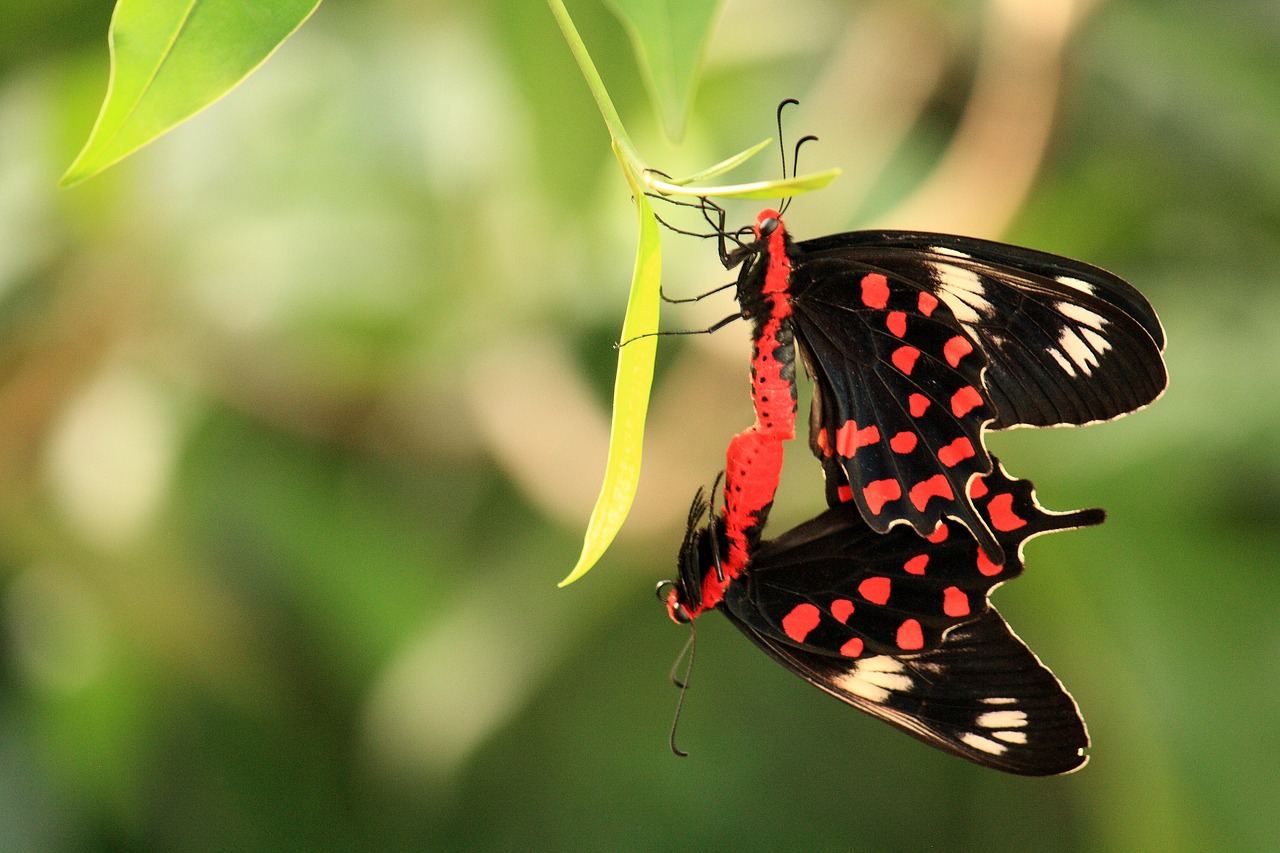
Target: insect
918 343
897 625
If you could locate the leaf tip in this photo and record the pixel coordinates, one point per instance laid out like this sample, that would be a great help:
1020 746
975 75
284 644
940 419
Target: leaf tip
74 175
593 549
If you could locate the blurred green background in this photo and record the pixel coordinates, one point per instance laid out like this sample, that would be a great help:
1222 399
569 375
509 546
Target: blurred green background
304 407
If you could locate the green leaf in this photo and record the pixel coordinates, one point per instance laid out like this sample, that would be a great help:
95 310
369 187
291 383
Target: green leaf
172 58
723 166
755 190
670 39
630 391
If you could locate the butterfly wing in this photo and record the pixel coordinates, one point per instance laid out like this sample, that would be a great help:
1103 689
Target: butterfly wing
837 587
901 628
1066 343
981 695
899 407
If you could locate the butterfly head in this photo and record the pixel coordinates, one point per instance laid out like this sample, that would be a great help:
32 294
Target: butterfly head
768 222
699 552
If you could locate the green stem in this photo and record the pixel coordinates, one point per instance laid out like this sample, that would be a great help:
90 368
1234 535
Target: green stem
622 144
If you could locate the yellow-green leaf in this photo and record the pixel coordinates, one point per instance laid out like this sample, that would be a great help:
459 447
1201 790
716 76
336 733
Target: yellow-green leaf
172 58
754 190
630 392
723 166
670 39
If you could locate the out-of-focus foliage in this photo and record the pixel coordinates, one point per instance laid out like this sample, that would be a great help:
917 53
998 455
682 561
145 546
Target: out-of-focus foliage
670 42
172 58
302 410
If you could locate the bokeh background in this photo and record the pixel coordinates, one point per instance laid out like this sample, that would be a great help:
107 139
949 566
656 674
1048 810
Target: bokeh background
304 407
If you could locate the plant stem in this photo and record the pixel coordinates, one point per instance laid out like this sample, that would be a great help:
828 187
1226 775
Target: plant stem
622 145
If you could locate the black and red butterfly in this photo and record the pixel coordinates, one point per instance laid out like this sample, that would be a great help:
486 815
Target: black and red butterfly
899 626
917 343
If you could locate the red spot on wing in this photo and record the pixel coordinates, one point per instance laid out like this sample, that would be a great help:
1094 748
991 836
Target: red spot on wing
955 602
977 488
1002 516
956 452
927 303
904 358
897 322
910 637
915 566
939 534
852 649
875 590
824 443
903 442
880 492
956 349
934 487
800 621
842 609
917 404
985 566
844 493
965 401
875 290
849 438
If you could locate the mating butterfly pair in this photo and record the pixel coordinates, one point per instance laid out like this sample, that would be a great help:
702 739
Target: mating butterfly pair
917 343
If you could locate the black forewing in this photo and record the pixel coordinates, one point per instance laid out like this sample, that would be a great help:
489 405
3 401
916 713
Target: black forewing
905 434
981 695
1065 342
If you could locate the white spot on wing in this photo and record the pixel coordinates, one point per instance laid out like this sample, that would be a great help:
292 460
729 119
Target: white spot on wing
944 250
983 744
1002 719
1063 362
1080 314
1097 341
1078 351
961 288
875 679
999 700
881 663
1077 284
1011 737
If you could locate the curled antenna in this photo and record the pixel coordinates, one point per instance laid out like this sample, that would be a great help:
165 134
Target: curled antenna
782 148
795 168
795 153
690 648
784 203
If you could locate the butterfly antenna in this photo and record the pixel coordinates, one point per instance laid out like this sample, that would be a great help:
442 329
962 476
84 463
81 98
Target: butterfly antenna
782 147
690 648
795 155
795 168
782 152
